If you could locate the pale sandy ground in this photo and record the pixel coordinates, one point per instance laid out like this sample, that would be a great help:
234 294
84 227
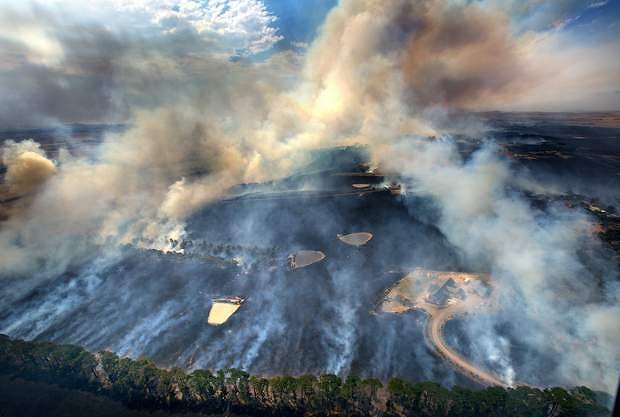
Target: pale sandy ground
221 312
356 239
305 257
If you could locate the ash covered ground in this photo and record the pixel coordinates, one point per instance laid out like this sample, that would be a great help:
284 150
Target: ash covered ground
323 317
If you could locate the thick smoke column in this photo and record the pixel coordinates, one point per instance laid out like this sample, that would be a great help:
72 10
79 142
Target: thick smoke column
377 74
395 61
27 167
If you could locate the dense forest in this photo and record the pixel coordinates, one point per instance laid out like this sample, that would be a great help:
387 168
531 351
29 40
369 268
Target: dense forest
141 385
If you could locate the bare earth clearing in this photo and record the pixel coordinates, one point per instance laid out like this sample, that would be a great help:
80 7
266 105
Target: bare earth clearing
304 258
356 239
222 309
443 295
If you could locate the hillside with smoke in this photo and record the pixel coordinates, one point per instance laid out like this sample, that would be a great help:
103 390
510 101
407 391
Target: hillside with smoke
90 252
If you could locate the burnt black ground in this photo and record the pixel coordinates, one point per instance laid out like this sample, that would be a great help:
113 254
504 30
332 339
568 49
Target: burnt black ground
311 320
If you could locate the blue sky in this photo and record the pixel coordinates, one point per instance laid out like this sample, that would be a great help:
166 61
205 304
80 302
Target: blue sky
596 23
298 21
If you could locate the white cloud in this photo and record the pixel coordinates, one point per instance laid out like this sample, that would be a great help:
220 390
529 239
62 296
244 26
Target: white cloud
597 4
238 26
246 25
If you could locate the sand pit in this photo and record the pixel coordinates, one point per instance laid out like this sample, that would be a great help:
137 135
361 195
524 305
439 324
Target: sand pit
356 239
361 186
304 258
222 309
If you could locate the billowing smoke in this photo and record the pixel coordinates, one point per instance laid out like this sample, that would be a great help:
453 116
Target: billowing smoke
378 74
399 58
27 167
430 52
535 256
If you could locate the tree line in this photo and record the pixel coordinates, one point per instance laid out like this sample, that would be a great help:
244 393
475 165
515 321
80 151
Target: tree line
140 384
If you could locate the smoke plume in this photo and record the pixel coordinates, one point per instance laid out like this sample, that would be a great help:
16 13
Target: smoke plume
27 166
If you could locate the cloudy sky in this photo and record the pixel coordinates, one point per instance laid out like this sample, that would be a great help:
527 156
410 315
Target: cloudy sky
94 60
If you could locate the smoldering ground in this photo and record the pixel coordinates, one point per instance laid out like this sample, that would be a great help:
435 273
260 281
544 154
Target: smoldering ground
321 313
315 319
69 278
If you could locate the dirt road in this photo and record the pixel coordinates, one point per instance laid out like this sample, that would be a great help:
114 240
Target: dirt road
437 318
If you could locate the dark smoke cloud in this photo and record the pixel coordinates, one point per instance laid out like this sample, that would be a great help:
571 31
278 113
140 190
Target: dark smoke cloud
57 72
460 56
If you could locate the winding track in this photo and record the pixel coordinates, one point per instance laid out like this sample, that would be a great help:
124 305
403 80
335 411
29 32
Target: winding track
437 318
